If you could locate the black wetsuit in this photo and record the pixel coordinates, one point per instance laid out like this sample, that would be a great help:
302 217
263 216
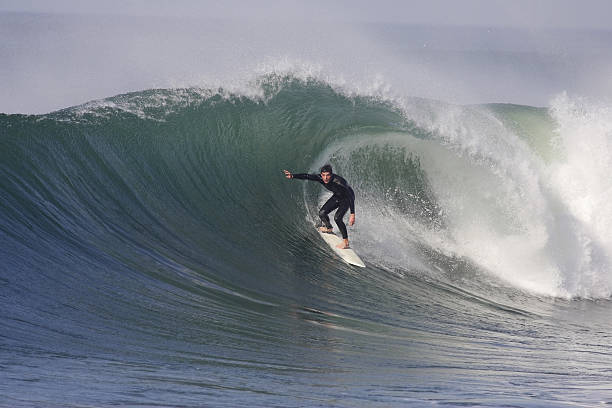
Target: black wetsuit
343 199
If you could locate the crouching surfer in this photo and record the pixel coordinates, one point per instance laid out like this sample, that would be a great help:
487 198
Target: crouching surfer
342 199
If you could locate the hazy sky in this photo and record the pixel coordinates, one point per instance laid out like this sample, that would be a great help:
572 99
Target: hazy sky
592 14
453 50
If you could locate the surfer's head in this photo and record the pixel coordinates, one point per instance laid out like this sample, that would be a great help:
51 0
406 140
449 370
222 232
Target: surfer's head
326 173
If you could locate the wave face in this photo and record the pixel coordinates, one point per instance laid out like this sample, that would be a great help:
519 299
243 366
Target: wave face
151 244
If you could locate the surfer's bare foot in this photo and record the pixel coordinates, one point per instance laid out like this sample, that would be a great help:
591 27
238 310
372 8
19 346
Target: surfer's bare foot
326 230
343 245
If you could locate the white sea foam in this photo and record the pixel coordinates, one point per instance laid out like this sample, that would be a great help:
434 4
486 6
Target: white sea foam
540 226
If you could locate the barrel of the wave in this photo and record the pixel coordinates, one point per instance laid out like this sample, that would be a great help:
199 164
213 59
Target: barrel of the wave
341 201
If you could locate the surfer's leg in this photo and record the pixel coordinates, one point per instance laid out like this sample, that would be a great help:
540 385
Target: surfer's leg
329 206
338 217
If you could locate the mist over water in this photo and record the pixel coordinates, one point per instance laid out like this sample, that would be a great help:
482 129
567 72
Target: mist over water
54 61
152 253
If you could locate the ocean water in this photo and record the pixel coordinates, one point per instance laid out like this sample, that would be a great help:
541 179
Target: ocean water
153 254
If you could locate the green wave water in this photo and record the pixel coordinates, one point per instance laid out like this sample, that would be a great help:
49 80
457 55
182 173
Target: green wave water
152 249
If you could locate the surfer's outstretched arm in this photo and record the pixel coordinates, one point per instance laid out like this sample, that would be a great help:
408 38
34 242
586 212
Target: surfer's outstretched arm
302 176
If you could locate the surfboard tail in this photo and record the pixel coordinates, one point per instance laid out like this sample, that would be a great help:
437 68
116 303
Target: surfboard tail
347 255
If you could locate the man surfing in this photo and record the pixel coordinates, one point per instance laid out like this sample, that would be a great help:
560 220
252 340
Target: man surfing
342 200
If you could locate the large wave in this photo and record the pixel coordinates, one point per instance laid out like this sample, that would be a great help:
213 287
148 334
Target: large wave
184 187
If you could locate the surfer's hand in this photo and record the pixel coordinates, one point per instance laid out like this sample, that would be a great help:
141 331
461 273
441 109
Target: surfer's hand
352 219
288 174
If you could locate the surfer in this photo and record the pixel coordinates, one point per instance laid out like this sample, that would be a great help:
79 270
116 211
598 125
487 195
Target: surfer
342 200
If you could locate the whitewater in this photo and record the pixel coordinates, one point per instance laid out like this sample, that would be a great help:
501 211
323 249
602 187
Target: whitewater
153 254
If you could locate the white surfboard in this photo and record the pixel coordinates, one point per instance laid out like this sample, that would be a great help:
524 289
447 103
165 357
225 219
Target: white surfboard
348 255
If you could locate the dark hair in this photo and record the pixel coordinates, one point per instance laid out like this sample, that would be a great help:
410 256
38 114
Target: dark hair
326 169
